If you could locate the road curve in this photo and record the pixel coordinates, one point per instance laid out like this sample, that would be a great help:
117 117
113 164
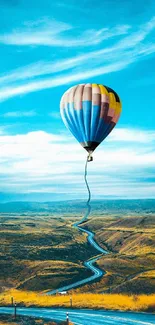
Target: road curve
97 273
85 317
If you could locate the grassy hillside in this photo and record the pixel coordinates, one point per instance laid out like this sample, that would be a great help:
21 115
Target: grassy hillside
130 266
41 253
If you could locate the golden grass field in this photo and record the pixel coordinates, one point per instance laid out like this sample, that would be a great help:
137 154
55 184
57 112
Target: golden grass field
85 300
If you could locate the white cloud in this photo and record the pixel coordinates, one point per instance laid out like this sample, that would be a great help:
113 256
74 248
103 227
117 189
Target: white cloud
43 162
132 135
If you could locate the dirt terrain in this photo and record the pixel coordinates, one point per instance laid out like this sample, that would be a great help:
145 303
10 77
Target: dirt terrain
130 265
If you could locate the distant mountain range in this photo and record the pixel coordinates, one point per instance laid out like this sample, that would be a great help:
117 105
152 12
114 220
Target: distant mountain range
99 207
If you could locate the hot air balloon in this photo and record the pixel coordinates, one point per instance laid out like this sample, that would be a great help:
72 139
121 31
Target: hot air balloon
90 112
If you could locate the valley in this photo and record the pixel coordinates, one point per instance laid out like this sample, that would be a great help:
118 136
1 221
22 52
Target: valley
41 253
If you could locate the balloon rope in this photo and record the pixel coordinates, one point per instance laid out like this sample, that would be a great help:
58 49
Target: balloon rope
89 193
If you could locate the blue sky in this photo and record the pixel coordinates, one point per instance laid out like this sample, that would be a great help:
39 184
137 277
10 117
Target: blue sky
49 46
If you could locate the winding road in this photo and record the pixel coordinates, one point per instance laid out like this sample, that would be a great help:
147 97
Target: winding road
97 273
85 317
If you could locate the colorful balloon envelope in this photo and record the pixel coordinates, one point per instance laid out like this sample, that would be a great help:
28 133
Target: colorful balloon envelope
90 112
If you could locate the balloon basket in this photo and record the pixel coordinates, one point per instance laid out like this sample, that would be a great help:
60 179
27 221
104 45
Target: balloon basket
89 158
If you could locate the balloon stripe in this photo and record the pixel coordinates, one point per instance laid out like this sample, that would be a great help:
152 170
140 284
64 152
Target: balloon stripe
78 110
108 130
69 116
69 125
79 119
95 116
75 118
71 108
99 132
87 108
102 127
95 111
75 125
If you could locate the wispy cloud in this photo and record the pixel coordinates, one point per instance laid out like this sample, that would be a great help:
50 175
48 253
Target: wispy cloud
55 115
53 33
28 113
42 162
29 87
35 32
